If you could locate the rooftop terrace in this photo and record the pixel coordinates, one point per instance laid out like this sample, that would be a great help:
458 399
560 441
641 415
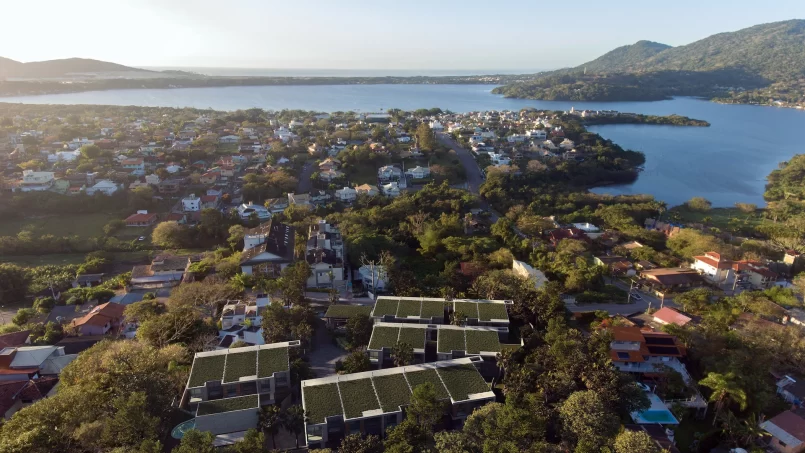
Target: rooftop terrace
429 308
386 335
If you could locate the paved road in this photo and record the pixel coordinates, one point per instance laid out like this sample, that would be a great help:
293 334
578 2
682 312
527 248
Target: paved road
474 176
325 354
305 184
637 306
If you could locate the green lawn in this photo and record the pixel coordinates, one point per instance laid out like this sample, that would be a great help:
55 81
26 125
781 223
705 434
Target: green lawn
71 258
723 218
83 225
361 174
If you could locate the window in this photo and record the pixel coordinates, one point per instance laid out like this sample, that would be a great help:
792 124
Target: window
248 388
231 391
623 355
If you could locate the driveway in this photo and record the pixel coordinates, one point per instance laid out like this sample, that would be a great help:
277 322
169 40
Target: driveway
325 354
636 306
474 176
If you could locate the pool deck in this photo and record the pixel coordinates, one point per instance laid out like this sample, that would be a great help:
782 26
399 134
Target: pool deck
657 405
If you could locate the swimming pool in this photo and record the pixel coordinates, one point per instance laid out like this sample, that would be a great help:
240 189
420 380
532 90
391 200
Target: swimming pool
657 413
181 428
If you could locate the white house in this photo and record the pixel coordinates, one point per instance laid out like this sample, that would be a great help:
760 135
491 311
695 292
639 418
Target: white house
419 172
526 271
537 134
404 139
346 195
389 173
152 179
374 277
191 203
103 186
330 175
499 159
391 189
64 156
172 169
436 126
712 266
567 144
36 181
245 211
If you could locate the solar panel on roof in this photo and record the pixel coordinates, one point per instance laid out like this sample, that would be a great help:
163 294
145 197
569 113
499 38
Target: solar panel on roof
663 350
660 340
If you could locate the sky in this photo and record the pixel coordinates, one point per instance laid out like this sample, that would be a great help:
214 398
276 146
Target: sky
362 34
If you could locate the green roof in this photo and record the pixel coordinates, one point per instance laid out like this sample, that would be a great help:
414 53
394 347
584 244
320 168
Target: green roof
271 360
414 336
488 311
358 396
469 309
462 380
228 405
448 340
322 401
383 337
393 391
385 307
240 364
482 340
417 378
408 308
347 311
209 368
432 309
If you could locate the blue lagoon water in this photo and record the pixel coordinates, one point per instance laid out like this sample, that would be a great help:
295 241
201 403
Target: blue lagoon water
726 163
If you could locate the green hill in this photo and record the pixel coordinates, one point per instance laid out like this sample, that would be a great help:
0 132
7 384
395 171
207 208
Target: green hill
625 57
59 68
752 65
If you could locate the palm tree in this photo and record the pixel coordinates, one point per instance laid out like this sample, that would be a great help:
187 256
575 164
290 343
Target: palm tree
270 421
293 419
725 389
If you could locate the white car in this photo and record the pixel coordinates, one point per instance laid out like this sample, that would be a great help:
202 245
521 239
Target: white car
141 238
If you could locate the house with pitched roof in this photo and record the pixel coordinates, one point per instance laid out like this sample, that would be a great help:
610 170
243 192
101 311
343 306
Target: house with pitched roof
786 431
15 395
268 249
645 352
102 320
667 315
712 266
29 362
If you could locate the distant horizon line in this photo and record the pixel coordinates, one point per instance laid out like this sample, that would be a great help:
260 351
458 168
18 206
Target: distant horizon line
478 71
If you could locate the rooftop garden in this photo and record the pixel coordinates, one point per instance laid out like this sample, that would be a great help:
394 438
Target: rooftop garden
462 380
240 364
347 311
385 307
489 311
414 336
270 361
384 337
470 309
393 391
358 396
449 340
408 308
322 401
432 309
482 340
210 368
228 405
417 378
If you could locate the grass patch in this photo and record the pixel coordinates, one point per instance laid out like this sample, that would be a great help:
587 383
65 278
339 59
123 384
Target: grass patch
469 309
414 336
417 378
462 380
358 397
228 405
385 307
489 311
432 309
723 218
321 401
272 360
139 256
347 311
210 368
383 337
81 225
482 340
448 340
408 308
240 364
362 173
393 391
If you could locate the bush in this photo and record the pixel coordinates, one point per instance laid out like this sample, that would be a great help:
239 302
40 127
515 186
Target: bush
23 316
44 305
700 204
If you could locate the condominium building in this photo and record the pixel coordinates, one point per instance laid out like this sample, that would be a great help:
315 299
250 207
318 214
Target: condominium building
431 310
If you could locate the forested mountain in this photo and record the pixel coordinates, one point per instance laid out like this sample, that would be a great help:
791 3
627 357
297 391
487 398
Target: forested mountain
755 65
59 68
624 57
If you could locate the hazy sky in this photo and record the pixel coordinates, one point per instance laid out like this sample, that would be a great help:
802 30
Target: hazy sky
370 34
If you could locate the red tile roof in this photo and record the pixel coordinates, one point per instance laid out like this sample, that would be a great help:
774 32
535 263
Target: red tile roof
102 314
791 422
671 316
140 218
14 339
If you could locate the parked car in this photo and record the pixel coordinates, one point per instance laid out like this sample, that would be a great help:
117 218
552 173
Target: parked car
636 296
141 238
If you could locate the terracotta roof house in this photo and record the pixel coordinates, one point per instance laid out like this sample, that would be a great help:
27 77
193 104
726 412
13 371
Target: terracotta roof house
787 431
668 315
712 266
141 219
633 350
14 339
663 279
14 395
566 233
618 265
101 320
